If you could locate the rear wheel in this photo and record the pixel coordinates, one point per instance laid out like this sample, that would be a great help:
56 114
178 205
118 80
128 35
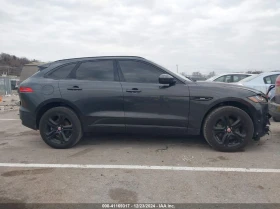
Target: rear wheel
60 128
228 129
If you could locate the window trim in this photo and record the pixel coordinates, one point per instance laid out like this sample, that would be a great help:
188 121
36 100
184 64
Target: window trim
121 76
47 75
74 71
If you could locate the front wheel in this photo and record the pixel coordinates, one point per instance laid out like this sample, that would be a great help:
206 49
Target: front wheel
60 128
228 129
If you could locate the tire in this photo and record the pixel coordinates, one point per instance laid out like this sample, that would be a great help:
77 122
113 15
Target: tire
60 128
228 129
276 119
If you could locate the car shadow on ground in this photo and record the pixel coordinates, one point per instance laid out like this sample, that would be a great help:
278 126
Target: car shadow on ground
133 139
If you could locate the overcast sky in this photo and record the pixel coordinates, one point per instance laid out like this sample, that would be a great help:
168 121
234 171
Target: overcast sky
202 35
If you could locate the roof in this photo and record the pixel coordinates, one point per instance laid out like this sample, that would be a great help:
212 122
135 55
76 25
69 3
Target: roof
102 57
217 76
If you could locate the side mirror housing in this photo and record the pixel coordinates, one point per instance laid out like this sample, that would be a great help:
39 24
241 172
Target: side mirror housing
166 79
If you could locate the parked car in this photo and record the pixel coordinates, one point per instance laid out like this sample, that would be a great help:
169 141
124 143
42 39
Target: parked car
229 78
261 81
14 83
131 94
274 100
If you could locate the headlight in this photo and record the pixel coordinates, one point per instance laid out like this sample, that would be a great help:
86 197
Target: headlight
258 99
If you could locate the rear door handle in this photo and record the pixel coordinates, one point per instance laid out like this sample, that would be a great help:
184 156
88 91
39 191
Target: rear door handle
133 90
75 88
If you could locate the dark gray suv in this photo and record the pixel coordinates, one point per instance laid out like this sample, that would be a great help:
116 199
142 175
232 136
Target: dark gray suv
68 97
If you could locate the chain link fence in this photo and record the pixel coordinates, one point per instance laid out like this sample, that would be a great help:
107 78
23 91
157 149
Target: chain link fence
5 86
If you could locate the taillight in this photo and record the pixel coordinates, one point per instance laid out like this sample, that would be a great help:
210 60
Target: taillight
24 89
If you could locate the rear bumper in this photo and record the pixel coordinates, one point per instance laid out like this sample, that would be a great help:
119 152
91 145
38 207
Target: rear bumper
261 120
274 109
27 118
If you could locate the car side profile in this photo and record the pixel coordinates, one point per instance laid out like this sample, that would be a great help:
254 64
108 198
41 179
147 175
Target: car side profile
126 94
229 77
260 82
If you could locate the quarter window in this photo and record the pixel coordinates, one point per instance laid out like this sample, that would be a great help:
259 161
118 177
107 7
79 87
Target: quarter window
62 72
267 80
139 72
96 71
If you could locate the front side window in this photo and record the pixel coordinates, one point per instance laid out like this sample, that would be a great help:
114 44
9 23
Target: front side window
220 79
96 71
139 72
62 72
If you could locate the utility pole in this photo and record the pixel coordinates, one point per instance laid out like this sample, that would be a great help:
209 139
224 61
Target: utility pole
177 68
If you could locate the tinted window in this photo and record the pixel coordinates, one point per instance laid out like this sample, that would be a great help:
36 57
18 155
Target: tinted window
62 72
220 79
139 72
96 71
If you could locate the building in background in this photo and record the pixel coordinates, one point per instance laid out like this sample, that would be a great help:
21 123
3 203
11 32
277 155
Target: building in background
28 70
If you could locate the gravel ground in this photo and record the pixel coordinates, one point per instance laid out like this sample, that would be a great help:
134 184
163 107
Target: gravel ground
9 102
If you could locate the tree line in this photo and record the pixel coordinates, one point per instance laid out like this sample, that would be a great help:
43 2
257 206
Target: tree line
12 65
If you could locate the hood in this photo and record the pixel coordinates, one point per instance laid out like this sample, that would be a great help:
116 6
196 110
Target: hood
228 86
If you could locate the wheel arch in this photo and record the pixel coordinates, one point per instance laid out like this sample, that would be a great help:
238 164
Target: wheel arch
51 103
243 105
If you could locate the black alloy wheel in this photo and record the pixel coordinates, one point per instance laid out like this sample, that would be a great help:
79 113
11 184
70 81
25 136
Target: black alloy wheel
228 129
60 128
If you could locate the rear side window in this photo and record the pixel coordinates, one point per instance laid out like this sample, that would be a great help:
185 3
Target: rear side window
96 71
62 72
236 78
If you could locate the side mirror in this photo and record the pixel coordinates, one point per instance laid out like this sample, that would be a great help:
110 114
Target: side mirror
166 79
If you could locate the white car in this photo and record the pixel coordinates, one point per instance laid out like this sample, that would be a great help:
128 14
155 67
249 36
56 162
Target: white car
229 77
260 81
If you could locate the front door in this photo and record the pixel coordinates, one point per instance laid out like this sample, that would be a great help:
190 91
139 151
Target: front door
94 89
150 106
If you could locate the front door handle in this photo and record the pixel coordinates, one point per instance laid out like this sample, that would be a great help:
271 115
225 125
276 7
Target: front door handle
75 88
133 90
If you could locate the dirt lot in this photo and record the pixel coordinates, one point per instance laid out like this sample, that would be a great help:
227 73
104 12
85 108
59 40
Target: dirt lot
132 184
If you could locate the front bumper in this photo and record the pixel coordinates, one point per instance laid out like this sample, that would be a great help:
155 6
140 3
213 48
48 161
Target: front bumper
274 109
27 118
261 120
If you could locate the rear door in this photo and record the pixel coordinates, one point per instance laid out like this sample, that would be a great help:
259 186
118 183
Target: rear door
93 87
150 106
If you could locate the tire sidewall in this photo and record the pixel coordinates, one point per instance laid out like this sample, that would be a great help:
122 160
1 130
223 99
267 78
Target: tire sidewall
225 111
76 134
